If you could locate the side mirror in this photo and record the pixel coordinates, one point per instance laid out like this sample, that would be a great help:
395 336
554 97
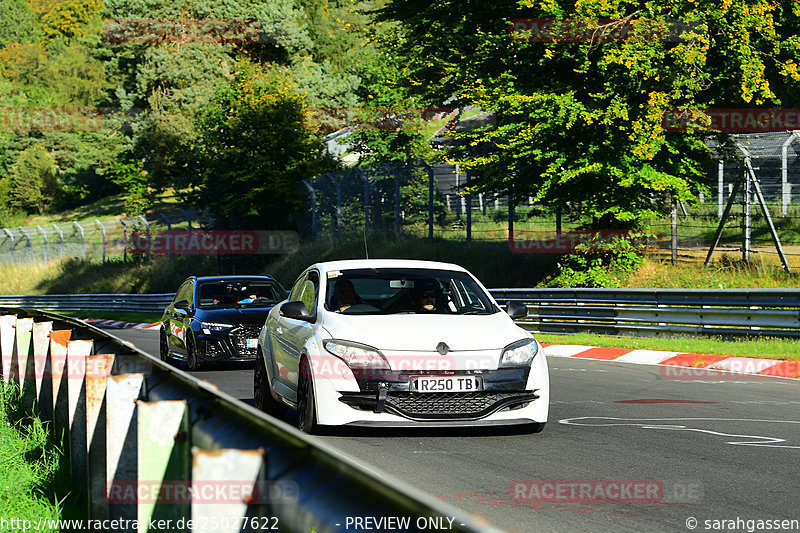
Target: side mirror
517 310
183 305
296 310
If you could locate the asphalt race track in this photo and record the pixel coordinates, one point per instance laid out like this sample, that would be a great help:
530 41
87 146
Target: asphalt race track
628 448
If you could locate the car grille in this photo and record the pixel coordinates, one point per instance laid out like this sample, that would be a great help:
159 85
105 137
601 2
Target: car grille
453 405
239 336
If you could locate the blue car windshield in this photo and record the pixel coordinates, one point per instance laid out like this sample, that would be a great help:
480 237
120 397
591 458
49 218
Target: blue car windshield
405 290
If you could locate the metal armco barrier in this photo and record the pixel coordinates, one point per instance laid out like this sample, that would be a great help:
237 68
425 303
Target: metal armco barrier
648 312
150 442
754 312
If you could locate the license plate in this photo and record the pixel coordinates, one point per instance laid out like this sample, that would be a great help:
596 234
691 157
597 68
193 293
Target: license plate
446 384
252 343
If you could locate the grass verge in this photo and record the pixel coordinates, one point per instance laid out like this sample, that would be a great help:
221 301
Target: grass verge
34 474
768 348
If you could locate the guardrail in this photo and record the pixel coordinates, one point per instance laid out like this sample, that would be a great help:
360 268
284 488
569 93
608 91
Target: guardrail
152 443
735 312
753 312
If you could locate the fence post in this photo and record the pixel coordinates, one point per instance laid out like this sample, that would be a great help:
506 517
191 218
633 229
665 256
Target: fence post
60 241
366 197
786 187
313 206
720 186
396 197
674 230
125 239
28 248
83 241
469 209
338 203
169 230
44 236
102 229
147 234
11 236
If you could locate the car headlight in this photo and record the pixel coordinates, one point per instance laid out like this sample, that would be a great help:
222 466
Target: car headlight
208 327
357 356
519 353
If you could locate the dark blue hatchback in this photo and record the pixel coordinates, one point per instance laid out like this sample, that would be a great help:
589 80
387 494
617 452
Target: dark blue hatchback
217 318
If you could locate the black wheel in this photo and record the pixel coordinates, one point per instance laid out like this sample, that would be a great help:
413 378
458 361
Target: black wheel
306 410
163 347
537 428
191 354
262 397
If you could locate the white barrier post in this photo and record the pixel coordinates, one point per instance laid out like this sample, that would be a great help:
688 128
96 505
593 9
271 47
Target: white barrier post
22 347
224 482
77 352
164 462
58 363
7 328
122 393
35 370
98 368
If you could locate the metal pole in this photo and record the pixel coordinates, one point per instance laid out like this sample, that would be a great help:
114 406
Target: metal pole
103 229
674 240
430 197
11 236
169 229
44 236
469 210
720 186
746 218
147 233
458 191
366 198
785 186
60 242
775 239
396 197
313 206
83 241
724 218
27 242
125 239
338 203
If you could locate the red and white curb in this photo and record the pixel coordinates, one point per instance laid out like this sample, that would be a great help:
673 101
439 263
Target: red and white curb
120 324
735 365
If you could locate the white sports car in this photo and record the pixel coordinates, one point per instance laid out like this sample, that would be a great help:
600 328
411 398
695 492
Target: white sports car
387 342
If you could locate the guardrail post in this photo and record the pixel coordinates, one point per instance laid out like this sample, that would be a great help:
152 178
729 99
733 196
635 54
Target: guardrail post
122 393
7 336
98 368
35 370
75 370
164 461
229 472
22 347
59 340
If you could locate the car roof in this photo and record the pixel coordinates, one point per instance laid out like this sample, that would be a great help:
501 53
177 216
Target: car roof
385 263
234 278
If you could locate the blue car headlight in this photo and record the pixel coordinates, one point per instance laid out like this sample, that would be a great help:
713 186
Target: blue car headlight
519 353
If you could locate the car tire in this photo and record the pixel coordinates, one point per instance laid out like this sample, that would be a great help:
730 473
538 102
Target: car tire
306 409
262 397
191 354
537 427
163 346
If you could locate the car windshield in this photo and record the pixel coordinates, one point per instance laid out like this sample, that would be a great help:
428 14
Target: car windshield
405 290
238 293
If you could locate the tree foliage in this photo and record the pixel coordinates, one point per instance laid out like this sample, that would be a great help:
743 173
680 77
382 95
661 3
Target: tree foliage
33 183
247 174
578 122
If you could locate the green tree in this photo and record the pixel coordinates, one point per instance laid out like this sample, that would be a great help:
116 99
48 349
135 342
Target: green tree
254 149
578 123
33 183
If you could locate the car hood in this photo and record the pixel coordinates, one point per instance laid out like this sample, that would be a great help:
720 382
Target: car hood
422 333
230 315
